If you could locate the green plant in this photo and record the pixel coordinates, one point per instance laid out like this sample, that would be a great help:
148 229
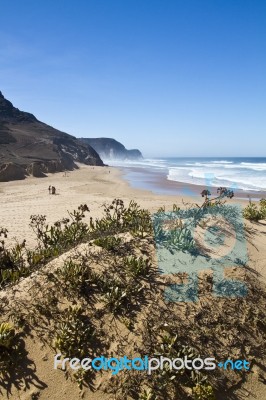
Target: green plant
12 260
74 333
62 234
54 239
252 213
115 297
40 256
81 376
11 351
147 394
255 212
119 218
181 239
110 243
175 208
174 239
263 208
203 392
136 267
119 296
170 347
75 276
263 202
139 220
7 335
222 194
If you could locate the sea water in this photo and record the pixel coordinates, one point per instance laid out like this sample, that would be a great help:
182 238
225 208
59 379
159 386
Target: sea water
239 174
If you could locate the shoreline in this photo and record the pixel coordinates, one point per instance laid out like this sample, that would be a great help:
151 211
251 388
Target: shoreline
89 185
157 182
95 186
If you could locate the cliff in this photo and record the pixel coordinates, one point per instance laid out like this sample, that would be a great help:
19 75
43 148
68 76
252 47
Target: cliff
30 147
112 149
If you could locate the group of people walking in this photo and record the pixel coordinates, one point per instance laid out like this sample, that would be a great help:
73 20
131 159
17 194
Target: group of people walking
52 190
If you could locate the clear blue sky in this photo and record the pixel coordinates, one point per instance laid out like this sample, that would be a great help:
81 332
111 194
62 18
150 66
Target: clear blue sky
173 78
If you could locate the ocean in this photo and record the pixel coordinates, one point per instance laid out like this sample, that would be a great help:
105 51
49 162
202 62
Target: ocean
240 174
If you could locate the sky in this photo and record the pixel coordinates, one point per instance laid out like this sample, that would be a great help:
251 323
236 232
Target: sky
170 77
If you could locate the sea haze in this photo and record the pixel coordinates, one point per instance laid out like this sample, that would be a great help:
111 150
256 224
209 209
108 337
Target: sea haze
240 174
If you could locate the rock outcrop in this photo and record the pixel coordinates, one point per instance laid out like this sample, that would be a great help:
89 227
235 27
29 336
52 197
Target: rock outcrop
11 172
30 147
111 149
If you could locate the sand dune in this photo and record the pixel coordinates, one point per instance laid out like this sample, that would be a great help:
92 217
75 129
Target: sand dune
95 186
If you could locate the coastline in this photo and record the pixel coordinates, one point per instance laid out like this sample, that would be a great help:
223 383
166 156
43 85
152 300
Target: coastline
91 185
95 186
157 182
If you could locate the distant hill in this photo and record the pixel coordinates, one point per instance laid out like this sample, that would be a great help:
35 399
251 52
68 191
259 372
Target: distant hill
112 149
30 147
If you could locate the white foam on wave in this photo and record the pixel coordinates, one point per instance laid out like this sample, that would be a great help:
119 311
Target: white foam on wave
234 174
222 162
218 177
145 163
247 166
255 167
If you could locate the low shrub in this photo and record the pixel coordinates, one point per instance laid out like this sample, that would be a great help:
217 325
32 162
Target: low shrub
74 333
137 267
252 212
110 243
7 335
203 392
75 276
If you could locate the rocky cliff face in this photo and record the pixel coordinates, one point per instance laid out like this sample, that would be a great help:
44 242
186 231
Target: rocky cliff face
30 147
10 113
112 149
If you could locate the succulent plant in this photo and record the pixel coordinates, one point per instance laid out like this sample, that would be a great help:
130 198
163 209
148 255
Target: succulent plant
136 266
252 212
203 392
7 335
73 334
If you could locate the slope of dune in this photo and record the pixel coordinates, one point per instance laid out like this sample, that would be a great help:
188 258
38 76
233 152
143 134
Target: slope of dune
94 288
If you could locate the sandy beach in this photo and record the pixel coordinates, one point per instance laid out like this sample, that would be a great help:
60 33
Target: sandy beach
95 186
89 185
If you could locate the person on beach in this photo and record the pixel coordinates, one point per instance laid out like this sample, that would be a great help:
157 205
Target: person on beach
53 190
49 189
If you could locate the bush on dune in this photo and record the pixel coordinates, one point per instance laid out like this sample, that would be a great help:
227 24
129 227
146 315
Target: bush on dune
67 233
254 212
113 287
